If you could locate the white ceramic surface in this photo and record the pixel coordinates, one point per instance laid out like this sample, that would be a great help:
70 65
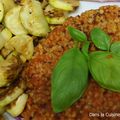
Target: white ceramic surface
91 5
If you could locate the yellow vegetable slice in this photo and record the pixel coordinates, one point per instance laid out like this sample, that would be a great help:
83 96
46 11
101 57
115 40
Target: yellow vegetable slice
23 44
61 5
5 52
22 2
55 20
5 35
11 55
2 110
13 23
8 4
17 107
13 93
1 58
33 20
9 70
1 11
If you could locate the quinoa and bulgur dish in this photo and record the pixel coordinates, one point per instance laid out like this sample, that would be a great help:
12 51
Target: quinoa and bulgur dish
22 24
37 73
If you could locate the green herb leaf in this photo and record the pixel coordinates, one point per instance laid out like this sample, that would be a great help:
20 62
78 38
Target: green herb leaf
115 48
85 48
105 69
69 79
76 34
100 39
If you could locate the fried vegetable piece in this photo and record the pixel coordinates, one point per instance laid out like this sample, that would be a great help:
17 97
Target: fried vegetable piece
1 27
33 20
14 53
17 106
55 20
11 55
61 5
54 16
13 23
9 69
1 11
53 12
13 93
74 3
5 35
22 2
2 110
1 58
5 52
44 3
23 44
8 4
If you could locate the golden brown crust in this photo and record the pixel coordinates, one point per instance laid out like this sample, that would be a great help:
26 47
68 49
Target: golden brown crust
39 69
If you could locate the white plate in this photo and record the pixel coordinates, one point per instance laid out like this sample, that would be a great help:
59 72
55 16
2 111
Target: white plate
91 5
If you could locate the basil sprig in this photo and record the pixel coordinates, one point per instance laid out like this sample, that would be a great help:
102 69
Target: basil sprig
69 79
70 75
105 66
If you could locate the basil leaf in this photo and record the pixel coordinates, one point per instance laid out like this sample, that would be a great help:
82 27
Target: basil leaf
85 48
76 34
69 80
115 48
100 39
105 69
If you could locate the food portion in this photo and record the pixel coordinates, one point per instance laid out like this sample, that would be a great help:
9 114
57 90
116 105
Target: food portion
33 20
47 54
1 11
18 105
14 91
69 80
8 4
23 23
70 75
56 11
5 35
9 70
57 75
13 23
32 16
61 5
23 44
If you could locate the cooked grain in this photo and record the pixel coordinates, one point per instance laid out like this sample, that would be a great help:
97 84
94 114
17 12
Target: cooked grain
39 69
